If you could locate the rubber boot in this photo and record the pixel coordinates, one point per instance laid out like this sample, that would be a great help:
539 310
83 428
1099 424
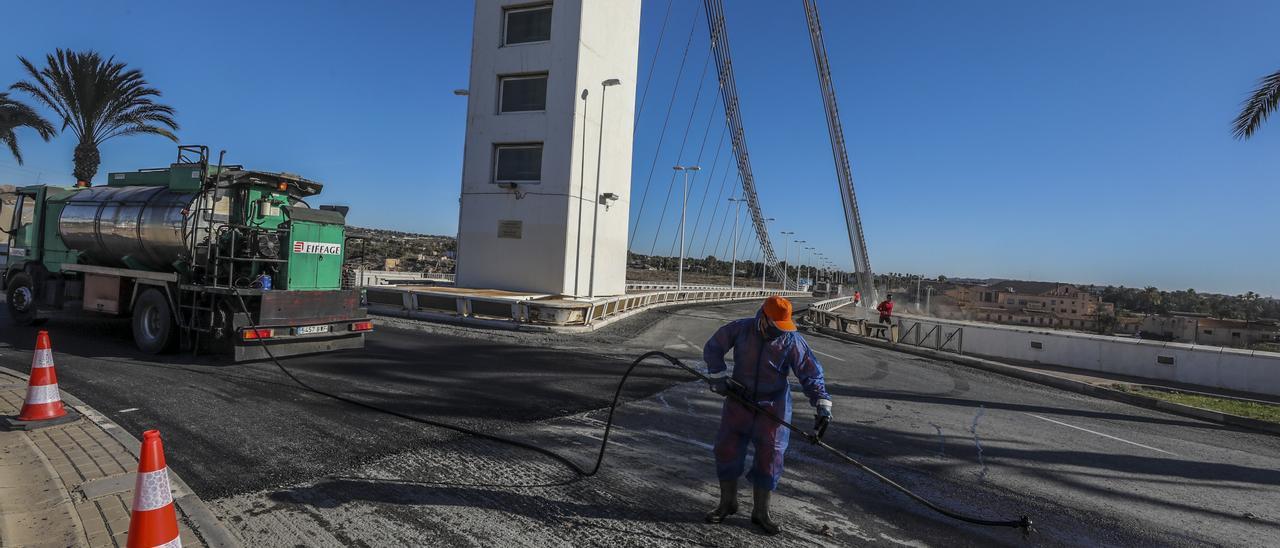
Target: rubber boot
760 511
728 502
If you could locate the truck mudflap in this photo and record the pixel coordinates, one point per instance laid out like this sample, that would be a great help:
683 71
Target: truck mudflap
292 323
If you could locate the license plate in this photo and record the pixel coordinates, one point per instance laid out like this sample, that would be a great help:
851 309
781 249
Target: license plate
311 330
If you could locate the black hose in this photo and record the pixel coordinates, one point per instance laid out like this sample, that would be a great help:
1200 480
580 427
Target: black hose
1023 523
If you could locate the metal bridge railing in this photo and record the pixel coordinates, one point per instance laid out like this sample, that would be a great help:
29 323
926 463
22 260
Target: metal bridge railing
908 330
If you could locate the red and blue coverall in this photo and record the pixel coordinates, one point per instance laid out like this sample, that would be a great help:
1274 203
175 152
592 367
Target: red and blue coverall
761 366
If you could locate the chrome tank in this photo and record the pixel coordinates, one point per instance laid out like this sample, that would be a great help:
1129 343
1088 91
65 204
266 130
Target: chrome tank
147 224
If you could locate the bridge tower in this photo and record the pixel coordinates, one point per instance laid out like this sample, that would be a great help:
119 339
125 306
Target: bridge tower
546 172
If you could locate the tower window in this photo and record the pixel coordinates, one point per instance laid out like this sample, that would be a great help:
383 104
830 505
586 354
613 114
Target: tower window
522 93
526 24
517 163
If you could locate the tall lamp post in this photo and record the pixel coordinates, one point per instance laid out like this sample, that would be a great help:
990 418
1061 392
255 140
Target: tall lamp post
599 198
799 246
786 256
764 267
582 182
733 270
684 205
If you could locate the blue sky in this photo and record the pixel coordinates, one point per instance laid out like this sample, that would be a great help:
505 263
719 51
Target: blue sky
1085 141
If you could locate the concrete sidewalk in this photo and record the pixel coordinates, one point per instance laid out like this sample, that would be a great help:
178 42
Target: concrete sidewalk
72 484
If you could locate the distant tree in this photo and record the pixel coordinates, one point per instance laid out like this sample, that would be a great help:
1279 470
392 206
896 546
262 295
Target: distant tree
15 114
941 278
1264 100
98 99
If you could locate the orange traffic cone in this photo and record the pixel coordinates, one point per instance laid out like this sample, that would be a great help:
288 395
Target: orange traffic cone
43 401
154 522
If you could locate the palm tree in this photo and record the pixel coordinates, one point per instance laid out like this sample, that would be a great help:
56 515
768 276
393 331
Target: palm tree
1261 104
15 114
98 99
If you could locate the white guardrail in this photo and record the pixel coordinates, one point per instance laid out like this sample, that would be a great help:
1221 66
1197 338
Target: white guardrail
1254 371
448 304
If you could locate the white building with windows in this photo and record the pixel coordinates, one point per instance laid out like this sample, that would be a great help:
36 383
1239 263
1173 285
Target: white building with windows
546 175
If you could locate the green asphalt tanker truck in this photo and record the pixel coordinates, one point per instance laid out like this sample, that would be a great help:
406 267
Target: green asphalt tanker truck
199 256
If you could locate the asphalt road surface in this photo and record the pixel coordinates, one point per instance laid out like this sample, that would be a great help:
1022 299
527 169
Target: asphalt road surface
283 465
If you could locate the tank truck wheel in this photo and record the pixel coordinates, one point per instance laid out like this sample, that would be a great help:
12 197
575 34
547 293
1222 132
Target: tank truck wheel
153 326
20 296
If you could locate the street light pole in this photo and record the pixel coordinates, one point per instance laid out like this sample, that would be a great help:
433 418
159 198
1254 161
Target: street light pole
919 278
799 245
928 296
733 270
582 181
595 217
684 205
786 257
763 267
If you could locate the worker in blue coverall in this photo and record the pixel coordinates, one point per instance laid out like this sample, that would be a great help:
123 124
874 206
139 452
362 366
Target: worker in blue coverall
765 348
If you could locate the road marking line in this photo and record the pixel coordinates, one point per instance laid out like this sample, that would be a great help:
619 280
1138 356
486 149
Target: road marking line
832 356
129 410
686 342
1103 435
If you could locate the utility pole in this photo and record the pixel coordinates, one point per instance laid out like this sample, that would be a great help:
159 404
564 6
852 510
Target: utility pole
799 245
733 270
604 86
684 206
786 256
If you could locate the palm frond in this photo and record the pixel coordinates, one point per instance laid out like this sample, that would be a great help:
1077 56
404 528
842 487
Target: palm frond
1264 100
97 98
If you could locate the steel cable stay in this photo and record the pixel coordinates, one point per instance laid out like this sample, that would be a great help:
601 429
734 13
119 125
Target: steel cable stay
839 152
715 209
714 10
653 63
711 173
724 223
697 97
675 88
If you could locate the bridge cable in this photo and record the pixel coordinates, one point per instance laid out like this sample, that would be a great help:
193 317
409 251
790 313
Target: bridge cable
715 163
675 88
702 79
715 210
653 62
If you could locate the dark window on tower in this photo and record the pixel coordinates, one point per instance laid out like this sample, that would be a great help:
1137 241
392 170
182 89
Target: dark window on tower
522 93
517 163
526 24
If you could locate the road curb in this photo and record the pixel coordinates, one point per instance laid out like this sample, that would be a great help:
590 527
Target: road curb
203 522
1063 383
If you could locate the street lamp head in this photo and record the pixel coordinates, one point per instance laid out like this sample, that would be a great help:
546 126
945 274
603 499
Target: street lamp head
693 168
611 82
584 94
461 92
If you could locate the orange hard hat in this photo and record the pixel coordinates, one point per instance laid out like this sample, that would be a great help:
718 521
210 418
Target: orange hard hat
778 310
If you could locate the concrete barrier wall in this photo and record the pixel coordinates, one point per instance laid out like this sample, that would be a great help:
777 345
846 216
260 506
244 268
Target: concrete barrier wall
1212 366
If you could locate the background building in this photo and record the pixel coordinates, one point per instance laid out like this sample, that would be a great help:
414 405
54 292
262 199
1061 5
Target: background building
1048 304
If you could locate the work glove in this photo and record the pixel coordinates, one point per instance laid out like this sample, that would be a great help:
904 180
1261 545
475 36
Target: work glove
821 419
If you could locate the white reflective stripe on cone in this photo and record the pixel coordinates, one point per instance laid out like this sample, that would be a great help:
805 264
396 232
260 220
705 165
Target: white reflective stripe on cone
43 394
151 491
175 543
43 358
